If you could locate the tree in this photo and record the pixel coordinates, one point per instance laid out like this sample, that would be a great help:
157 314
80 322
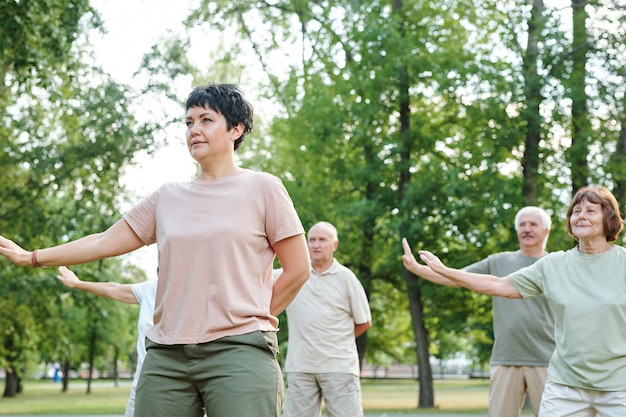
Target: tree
405 119
67 134
533 100
345 164
576 85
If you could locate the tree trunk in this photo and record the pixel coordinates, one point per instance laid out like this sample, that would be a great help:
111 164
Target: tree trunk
618 161
581 126
20 379
10 384
66 375
426 390
92 355
424 371
533 98
116 380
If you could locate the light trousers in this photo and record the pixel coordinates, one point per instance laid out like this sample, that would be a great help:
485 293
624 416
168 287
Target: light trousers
341 393
565 401
509 387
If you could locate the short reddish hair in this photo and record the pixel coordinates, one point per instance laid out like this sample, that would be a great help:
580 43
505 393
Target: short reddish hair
613 223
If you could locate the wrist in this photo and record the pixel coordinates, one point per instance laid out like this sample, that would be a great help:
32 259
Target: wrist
34 261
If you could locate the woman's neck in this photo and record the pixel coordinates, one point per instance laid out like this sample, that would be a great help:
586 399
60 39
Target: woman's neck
597 246
216 173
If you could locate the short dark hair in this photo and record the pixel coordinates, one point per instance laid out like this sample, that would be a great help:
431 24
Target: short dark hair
229 101
613 223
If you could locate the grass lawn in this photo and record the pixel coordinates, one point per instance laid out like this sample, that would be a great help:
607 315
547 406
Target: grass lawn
379 395
401 395
45 397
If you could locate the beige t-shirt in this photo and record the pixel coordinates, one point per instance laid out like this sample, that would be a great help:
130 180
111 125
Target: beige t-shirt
321 323
215 250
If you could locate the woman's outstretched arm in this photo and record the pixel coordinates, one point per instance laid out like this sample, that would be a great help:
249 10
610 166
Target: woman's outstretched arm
117 240
481 283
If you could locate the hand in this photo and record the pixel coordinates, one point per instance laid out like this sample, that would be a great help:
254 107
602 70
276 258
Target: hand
14 253
408 259
67 277
432 261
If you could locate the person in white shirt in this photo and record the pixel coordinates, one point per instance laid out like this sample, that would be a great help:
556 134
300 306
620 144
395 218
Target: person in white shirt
324 319
142 293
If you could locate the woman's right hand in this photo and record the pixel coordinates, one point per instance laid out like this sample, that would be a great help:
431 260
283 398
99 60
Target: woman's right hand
14 253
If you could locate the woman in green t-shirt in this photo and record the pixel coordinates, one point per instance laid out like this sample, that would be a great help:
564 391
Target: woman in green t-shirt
586 287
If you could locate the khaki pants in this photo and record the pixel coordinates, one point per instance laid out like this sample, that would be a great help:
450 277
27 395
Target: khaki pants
509 387
341 393
233 376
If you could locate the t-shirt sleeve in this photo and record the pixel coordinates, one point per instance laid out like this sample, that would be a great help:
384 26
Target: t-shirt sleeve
528 281
282 220
144 290
142 219
359 304
480 267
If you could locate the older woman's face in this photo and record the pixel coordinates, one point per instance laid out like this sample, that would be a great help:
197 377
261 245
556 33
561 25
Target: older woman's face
587 220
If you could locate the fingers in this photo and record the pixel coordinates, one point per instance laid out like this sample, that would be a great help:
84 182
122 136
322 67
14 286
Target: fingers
62 273
67 277
406 246
61 276
407 258
427 256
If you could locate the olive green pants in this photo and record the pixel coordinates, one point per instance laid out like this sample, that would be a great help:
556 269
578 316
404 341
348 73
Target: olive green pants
236 376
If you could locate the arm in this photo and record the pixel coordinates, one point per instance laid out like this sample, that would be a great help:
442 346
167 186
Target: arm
423 271
117 240
359 329
113 290
293 255
481 283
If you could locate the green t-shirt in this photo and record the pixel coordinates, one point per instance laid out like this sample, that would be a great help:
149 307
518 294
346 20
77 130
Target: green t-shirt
588 295
523 329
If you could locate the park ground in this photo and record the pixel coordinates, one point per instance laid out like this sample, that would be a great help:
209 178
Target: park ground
381 398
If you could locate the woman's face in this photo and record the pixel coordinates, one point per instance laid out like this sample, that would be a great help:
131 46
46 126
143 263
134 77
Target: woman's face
587 220
207 134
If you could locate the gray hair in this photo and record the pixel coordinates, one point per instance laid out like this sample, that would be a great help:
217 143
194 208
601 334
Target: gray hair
328 226
546 222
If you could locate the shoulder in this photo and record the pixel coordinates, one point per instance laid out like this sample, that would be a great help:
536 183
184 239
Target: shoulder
343 272
620 250
559 255
500 258
145 286
169 188
261 178
504 255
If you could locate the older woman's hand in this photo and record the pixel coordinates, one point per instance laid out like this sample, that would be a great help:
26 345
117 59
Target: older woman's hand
432 261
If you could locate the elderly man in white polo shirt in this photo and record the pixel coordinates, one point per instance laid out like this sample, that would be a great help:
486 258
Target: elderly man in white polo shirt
326 316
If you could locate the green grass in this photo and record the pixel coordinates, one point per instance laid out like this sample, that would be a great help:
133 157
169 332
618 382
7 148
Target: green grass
459 396
380 395
45 397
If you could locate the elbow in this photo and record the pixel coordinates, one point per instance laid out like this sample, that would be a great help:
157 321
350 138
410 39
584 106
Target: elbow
367 326
361 328
302 273
303 276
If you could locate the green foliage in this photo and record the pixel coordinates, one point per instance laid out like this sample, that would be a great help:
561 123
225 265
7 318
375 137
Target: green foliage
389 340
395 119
66 135
37 36
345 141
